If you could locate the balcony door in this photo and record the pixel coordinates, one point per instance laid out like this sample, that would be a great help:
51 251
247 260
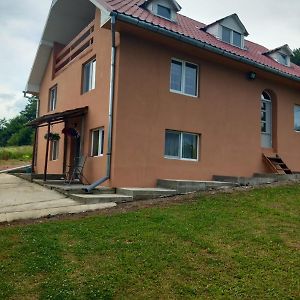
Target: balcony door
266 120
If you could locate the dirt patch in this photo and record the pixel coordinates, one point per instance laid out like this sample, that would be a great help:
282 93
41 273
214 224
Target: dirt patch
10 164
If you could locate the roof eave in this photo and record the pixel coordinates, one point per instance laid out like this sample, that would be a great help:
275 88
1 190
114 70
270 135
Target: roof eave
202 45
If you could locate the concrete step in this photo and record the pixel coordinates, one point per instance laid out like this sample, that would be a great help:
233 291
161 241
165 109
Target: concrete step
79 189
146 193
100 198
187 186
246 181
39 213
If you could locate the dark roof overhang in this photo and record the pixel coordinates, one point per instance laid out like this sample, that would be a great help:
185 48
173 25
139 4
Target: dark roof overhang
58 117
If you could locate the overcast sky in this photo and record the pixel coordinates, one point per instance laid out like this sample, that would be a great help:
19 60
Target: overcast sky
269 22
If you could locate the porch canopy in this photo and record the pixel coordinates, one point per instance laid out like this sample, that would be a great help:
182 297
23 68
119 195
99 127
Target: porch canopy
48 120
58 117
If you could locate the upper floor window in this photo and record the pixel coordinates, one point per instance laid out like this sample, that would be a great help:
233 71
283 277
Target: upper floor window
167 9
297 117
282 59
164 11
231 37
89 76
181 145
184 78
97 142
230 30
282 55
52 98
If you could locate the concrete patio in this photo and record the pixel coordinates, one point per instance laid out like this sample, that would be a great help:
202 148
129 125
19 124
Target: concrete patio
20 199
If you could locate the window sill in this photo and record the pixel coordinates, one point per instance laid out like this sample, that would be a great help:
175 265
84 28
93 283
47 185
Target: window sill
183 94
96 156
87 92
181 159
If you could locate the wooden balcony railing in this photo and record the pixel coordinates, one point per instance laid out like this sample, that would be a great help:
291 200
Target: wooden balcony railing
80 43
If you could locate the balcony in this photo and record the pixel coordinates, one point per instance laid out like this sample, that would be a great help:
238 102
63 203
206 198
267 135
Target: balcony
81 43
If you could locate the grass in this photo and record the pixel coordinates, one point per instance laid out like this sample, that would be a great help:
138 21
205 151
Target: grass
244 245
20 153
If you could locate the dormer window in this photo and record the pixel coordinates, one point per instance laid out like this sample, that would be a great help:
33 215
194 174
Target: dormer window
231 37
282 55
282 59
236 39
164 11
226 35
230 30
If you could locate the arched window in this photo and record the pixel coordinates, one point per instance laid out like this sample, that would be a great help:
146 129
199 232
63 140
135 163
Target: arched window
266 120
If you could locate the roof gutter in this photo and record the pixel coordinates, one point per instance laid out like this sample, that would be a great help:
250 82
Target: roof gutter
200 44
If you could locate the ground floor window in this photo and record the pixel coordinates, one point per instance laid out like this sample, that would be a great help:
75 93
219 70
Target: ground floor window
297 117
54 147
181 145
97 142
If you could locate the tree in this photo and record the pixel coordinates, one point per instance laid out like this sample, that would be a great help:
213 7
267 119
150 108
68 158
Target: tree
296 59
3 123
14 132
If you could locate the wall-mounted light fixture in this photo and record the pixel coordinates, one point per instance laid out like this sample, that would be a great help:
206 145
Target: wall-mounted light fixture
251 75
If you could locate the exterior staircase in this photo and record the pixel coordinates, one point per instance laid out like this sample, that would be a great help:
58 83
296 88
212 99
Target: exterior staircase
276 164
165 188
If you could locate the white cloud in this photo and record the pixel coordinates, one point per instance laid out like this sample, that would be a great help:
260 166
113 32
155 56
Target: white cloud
19 35
11 102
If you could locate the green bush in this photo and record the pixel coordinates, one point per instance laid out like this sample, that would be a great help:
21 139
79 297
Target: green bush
20 153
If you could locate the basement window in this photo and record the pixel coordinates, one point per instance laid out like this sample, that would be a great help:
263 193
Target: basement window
181 145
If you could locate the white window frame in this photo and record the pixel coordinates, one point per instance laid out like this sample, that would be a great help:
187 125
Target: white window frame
181 92
52 100
180 146
100 145
54 144
231 38
298 106
91 75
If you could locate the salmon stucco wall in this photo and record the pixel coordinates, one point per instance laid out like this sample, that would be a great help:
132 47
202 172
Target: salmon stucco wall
226 115
69 96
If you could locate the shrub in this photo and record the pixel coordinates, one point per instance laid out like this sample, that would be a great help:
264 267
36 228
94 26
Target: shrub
20 153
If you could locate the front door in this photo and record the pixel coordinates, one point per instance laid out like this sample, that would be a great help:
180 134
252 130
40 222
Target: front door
266 120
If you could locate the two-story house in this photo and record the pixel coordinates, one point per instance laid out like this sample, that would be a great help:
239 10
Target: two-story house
146 93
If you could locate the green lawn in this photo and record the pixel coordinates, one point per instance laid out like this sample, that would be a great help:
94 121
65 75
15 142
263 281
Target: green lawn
244 245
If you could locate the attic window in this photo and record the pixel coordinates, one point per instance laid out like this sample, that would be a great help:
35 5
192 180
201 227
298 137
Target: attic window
164 11
282 59
231 37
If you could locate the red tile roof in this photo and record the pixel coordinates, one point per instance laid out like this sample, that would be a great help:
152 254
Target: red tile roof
192 29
